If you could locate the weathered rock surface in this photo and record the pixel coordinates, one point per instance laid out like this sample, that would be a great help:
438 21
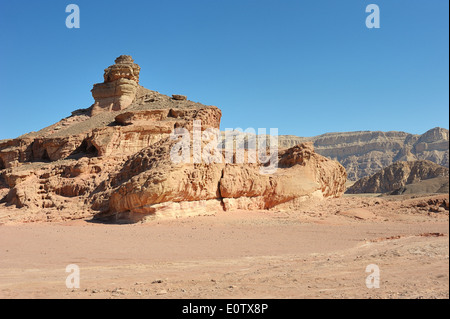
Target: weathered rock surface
150 183
119 88
395 177
301 174
113 161
179 97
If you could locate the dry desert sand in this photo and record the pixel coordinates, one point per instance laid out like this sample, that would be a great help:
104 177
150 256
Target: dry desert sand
320 251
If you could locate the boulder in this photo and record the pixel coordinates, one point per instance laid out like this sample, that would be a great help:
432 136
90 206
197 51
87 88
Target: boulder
179 97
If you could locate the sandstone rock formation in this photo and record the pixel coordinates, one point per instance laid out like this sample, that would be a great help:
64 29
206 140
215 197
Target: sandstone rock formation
301 173
149 182
395 177
118 90
113 160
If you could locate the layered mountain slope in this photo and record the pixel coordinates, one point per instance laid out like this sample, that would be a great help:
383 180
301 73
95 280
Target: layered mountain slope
365 153
397 176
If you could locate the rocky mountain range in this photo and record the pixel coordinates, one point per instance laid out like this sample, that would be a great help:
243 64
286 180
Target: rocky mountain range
365 153
397 176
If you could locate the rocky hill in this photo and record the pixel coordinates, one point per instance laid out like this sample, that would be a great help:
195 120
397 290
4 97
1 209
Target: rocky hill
429 186
396 177
122 158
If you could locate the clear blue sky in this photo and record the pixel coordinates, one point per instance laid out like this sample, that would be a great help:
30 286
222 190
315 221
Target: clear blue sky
305 67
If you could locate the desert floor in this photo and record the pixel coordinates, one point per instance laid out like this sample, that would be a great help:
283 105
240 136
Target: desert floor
321 251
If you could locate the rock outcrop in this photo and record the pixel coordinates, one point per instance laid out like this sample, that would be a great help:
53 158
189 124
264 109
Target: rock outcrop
301 174
118 90
397 176
114 160
150 183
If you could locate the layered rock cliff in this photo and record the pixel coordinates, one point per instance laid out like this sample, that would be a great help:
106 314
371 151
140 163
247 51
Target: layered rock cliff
395 177
364 153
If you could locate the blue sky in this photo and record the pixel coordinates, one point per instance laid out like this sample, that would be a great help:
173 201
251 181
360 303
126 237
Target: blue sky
304 67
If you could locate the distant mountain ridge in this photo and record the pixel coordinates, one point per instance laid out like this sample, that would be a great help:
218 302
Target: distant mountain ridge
364 153
397 176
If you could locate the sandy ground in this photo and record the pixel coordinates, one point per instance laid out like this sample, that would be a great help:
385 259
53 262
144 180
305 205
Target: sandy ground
319 252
